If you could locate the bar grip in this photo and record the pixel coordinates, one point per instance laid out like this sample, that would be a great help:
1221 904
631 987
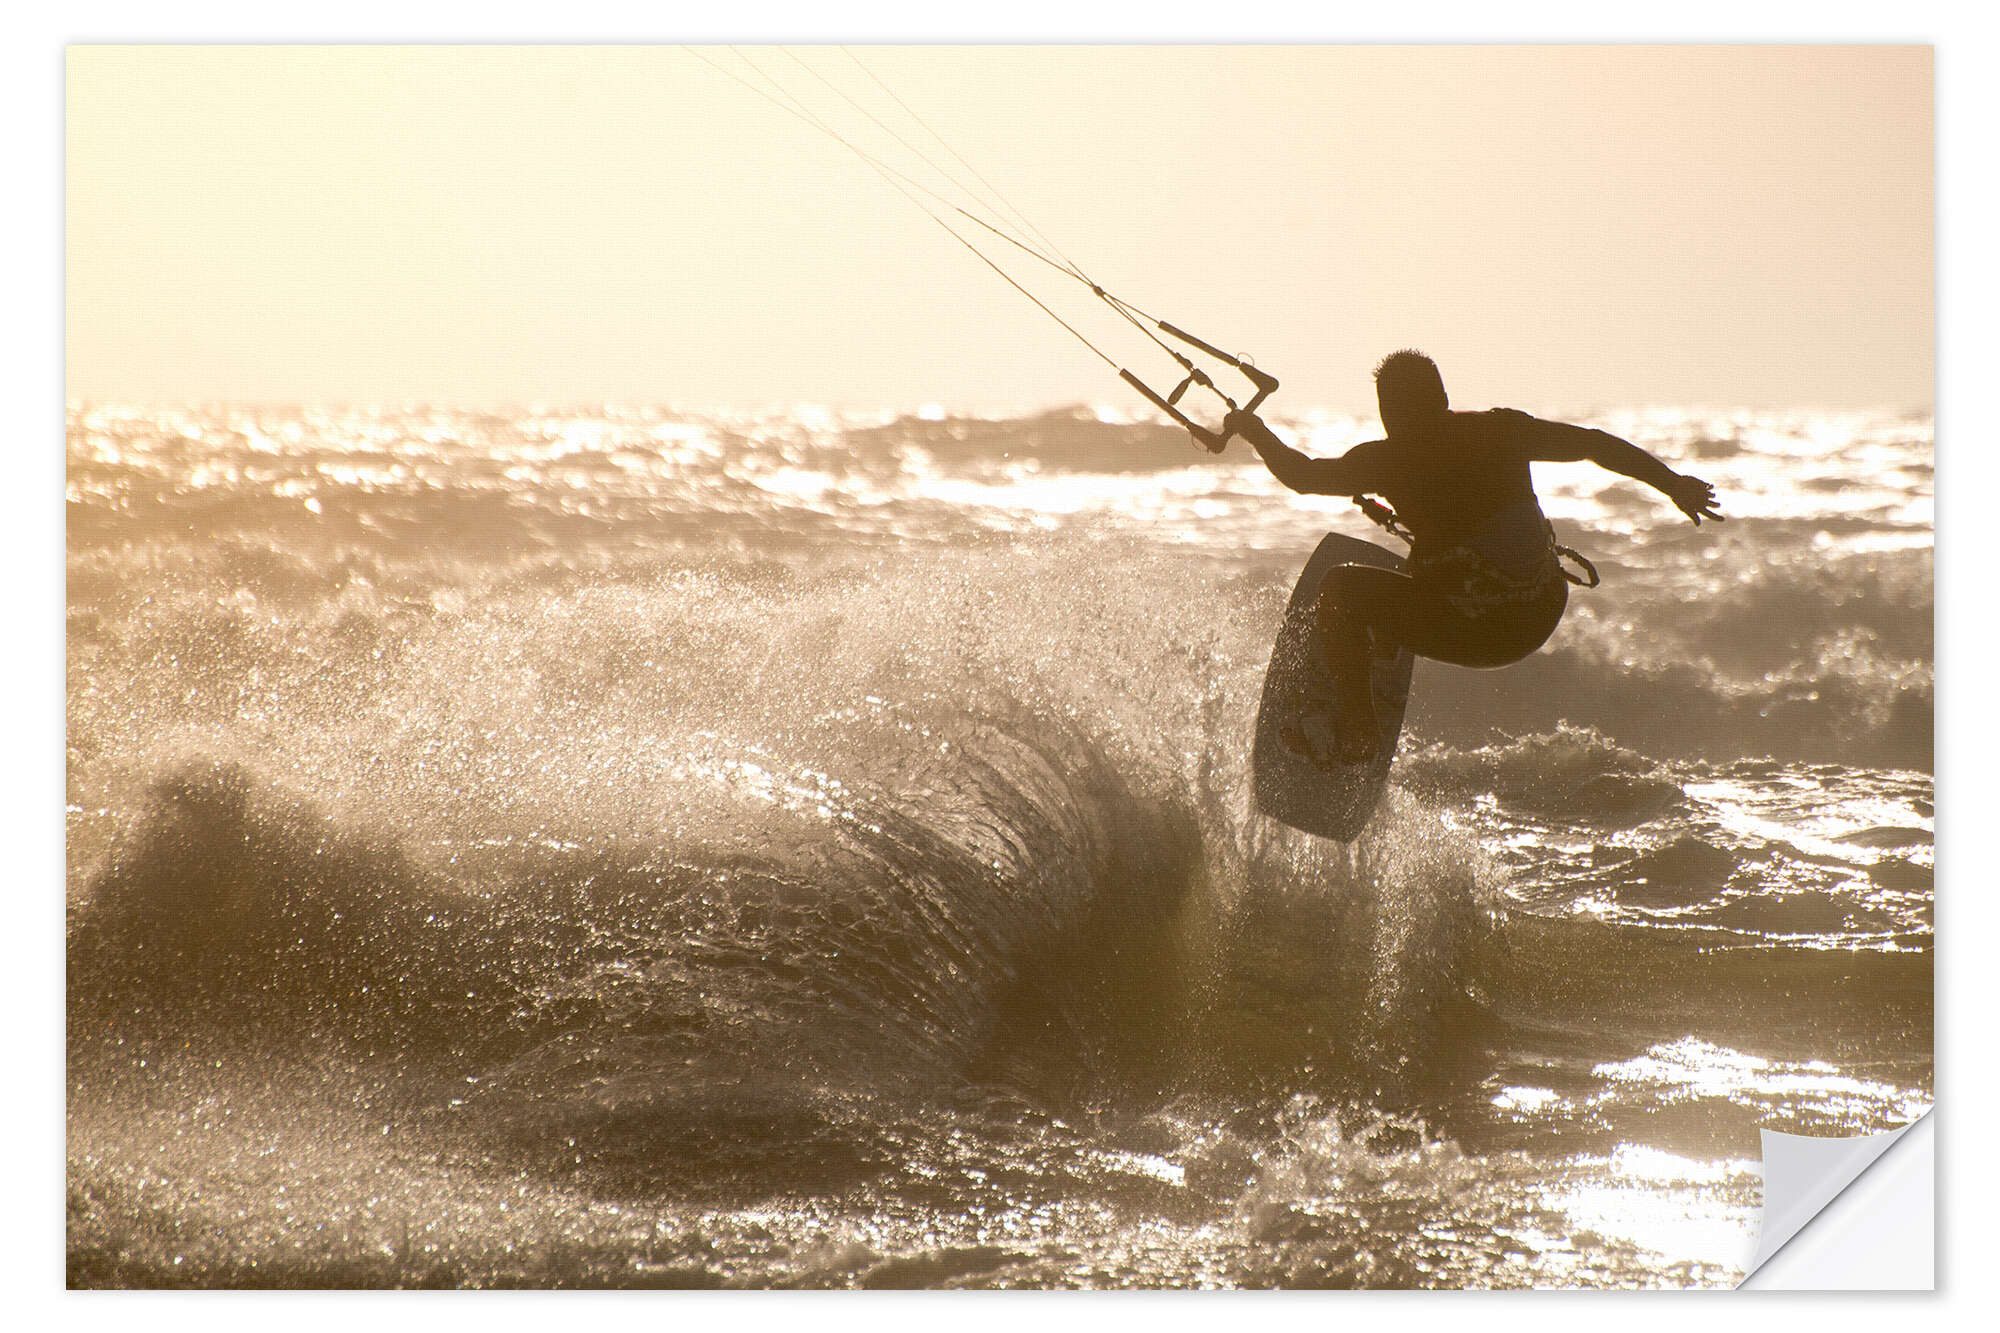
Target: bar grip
1190 339
1151 397
1266 384
1210 440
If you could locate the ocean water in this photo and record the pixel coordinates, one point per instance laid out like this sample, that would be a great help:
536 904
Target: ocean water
643 848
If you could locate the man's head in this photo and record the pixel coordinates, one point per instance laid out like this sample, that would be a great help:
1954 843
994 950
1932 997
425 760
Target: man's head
1409 391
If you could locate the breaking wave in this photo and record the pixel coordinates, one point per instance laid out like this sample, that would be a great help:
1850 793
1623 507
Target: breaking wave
537 814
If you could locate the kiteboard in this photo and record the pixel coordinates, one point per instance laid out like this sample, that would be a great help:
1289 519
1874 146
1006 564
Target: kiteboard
1331 799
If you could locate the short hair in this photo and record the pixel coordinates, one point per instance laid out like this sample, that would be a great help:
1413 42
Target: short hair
1409 377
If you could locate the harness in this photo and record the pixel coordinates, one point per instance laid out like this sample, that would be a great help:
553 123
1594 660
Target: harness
1481 586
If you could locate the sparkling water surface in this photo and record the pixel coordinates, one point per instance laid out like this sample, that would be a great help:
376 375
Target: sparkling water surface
633 847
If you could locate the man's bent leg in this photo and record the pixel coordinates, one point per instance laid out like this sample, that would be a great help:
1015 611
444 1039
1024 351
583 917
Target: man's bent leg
1357 603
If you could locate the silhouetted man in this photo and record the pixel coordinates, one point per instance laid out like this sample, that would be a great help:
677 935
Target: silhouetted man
1484 588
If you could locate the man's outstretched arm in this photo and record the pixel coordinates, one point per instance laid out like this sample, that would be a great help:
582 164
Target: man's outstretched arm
1557 442
1353 473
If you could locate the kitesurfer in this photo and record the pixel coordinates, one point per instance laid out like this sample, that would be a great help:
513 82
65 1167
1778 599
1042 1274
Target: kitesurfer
1484 586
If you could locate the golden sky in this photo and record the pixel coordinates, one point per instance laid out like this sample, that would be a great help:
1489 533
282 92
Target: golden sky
1562 227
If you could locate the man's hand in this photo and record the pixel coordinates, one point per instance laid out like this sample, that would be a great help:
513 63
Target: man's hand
1693 497
1247 424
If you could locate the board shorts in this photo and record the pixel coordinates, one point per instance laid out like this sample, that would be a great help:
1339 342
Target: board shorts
1490 601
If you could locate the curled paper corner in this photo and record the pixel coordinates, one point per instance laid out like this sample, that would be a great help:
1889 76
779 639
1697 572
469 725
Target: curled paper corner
1803 1174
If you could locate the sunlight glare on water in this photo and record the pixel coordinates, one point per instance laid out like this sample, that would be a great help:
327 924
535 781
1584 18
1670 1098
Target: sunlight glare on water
792 848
